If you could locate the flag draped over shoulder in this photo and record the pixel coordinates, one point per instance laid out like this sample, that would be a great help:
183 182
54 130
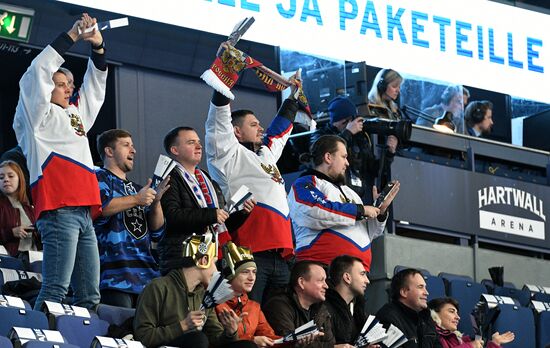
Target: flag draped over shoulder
230 62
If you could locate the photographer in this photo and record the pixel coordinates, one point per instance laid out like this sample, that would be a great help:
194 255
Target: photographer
363 165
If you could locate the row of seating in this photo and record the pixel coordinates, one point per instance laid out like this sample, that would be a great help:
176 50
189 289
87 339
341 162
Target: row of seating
76 330
531 327
10 262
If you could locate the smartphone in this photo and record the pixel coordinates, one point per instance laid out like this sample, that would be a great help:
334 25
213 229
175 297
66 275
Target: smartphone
385 193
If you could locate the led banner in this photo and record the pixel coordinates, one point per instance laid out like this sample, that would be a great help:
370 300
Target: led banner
472 42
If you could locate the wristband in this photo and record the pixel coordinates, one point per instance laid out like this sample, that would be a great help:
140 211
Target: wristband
100 46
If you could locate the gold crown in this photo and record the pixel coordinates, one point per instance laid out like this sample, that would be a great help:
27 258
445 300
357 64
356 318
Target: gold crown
233 257
199 246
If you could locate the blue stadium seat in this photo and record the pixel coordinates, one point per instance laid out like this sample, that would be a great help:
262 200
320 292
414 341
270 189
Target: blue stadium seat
81 331
5 342
36 267
520 321
10 317
543 329
113 314
435 286
467 294
41 344
488 283
11 263
523 296
448 277
399 268
541 296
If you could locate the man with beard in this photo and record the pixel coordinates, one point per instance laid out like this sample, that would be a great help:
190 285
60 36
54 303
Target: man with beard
346 299
479 118
131 218
328 217
239 154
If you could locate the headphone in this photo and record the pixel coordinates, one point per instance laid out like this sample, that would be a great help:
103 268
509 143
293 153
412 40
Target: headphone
478 112
383 84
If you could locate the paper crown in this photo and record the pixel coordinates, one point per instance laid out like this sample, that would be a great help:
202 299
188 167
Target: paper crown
196 247
235 259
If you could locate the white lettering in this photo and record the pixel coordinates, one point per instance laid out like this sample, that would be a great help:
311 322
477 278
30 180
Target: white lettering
482 197
500 195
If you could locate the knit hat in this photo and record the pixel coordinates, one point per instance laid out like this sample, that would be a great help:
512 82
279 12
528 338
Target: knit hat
235 259
340 108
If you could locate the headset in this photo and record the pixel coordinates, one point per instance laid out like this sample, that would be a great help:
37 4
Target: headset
477 110
478 113
383 84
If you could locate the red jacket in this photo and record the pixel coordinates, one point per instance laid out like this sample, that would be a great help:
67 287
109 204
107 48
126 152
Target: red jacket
253 324
10 218
449 339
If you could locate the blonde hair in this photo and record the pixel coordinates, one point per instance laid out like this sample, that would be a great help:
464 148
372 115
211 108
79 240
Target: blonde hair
384 77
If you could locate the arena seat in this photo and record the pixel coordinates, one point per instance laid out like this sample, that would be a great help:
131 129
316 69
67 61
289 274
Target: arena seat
36 267
520 321
490 285
10 317
113 314
80 331
543 329
399 268
41 344
540 296
523 296
11 263
448 277
5 342
467 293
435 286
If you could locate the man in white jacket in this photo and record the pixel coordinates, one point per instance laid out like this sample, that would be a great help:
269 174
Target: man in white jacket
239 154
52 133
328 217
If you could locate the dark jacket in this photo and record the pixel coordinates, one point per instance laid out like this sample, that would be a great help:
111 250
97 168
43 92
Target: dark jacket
164 303
419 328
345 326
363 163
184 216
284 314
10 218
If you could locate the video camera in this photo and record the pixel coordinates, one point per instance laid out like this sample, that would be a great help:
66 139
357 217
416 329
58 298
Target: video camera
378 121
401 129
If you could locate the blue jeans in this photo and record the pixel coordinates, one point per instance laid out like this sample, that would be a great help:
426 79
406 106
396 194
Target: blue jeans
71 257
272 275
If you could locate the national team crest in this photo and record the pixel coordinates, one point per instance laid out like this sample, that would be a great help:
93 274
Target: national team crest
76 123
273 171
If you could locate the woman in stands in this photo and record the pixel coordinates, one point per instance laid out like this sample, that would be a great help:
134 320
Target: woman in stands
445 314
17 232
385 92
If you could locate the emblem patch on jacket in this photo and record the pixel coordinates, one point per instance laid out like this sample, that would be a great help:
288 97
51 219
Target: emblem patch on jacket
273 171
134 218
76 123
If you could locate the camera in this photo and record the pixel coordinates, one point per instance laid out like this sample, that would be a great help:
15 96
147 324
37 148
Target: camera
401 129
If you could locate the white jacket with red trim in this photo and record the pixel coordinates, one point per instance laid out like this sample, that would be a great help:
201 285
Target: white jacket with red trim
232 165
54 139
326 221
